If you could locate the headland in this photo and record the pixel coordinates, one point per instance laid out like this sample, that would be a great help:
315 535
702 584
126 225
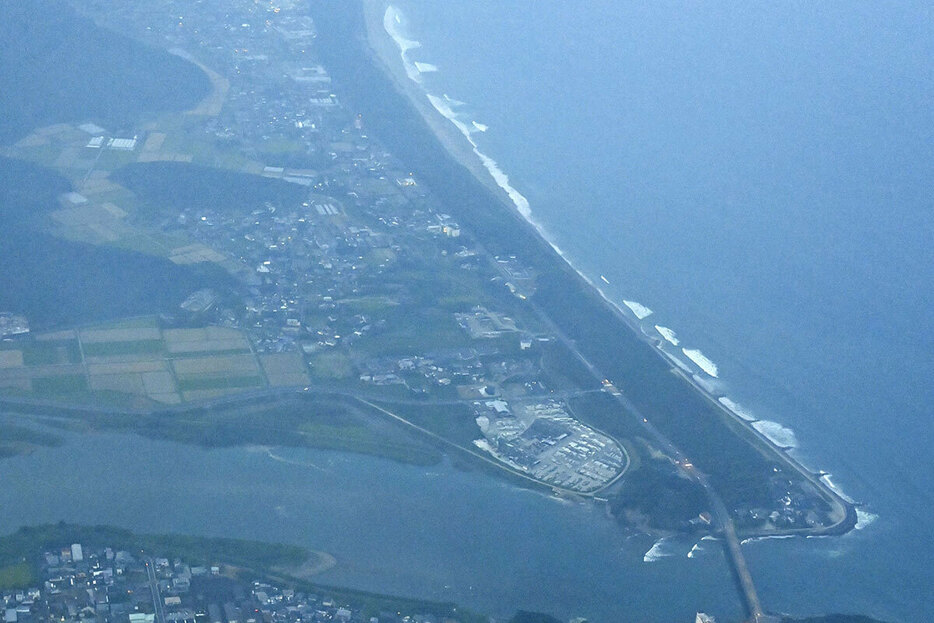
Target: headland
596 327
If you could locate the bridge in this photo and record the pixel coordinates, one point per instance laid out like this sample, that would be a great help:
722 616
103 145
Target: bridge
721 515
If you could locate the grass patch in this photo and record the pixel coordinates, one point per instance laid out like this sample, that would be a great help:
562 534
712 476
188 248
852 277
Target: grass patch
333 365
142 243
415 331
366 304
19 575
455 423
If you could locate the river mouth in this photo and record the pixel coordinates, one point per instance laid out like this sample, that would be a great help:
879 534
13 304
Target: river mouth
434 532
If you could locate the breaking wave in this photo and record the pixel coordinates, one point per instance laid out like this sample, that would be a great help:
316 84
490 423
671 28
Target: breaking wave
392 23
424 68
756 539
825 478
736 408
701 360
668 334
452 101
864 519
640 310
776 433
660 549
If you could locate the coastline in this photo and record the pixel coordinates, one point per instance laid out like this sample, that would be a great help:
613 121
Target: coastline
385 56
383 52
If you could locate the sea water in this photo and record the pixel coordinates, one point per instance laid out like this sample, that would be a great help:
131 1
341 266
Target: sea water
754 180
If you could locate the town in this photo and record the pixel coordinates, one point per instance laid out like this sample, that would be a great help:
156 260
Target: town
89 584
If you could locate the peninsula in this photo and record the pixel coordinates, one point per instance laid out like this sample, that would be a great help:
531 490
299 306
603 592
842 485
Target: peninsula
347 275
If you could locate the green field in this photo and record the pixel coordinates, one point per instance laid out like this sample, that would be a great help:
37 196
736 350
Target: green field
37 353
454 423
332 365
16 576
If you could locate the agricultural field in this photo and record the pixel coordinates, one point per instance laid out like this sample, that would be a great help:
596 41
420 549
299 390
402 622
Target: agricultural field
138 359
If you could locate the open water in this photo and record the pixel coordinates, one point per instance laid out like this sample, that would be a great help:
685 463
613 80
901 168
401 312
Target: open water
753 183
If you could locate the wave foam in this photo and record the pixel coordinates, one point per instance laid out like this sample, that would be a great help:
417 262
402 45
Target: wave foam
864 519
393 23
282 459
776 433
825 478
641 311
701 360
658 550
452 101
668 334
502 180
756 539
444 108
736 408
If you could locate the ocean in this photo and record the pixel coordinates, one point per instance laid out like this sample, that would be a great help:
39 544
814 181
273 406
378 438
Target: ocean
752 183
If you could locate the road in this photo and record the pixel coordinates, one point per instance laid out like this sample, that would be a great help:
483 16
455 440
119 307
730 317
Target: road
157 603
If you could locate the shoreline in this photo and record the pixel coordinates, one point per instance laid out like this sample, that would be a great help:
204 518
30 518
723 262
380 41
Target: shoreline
383 52
385 56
